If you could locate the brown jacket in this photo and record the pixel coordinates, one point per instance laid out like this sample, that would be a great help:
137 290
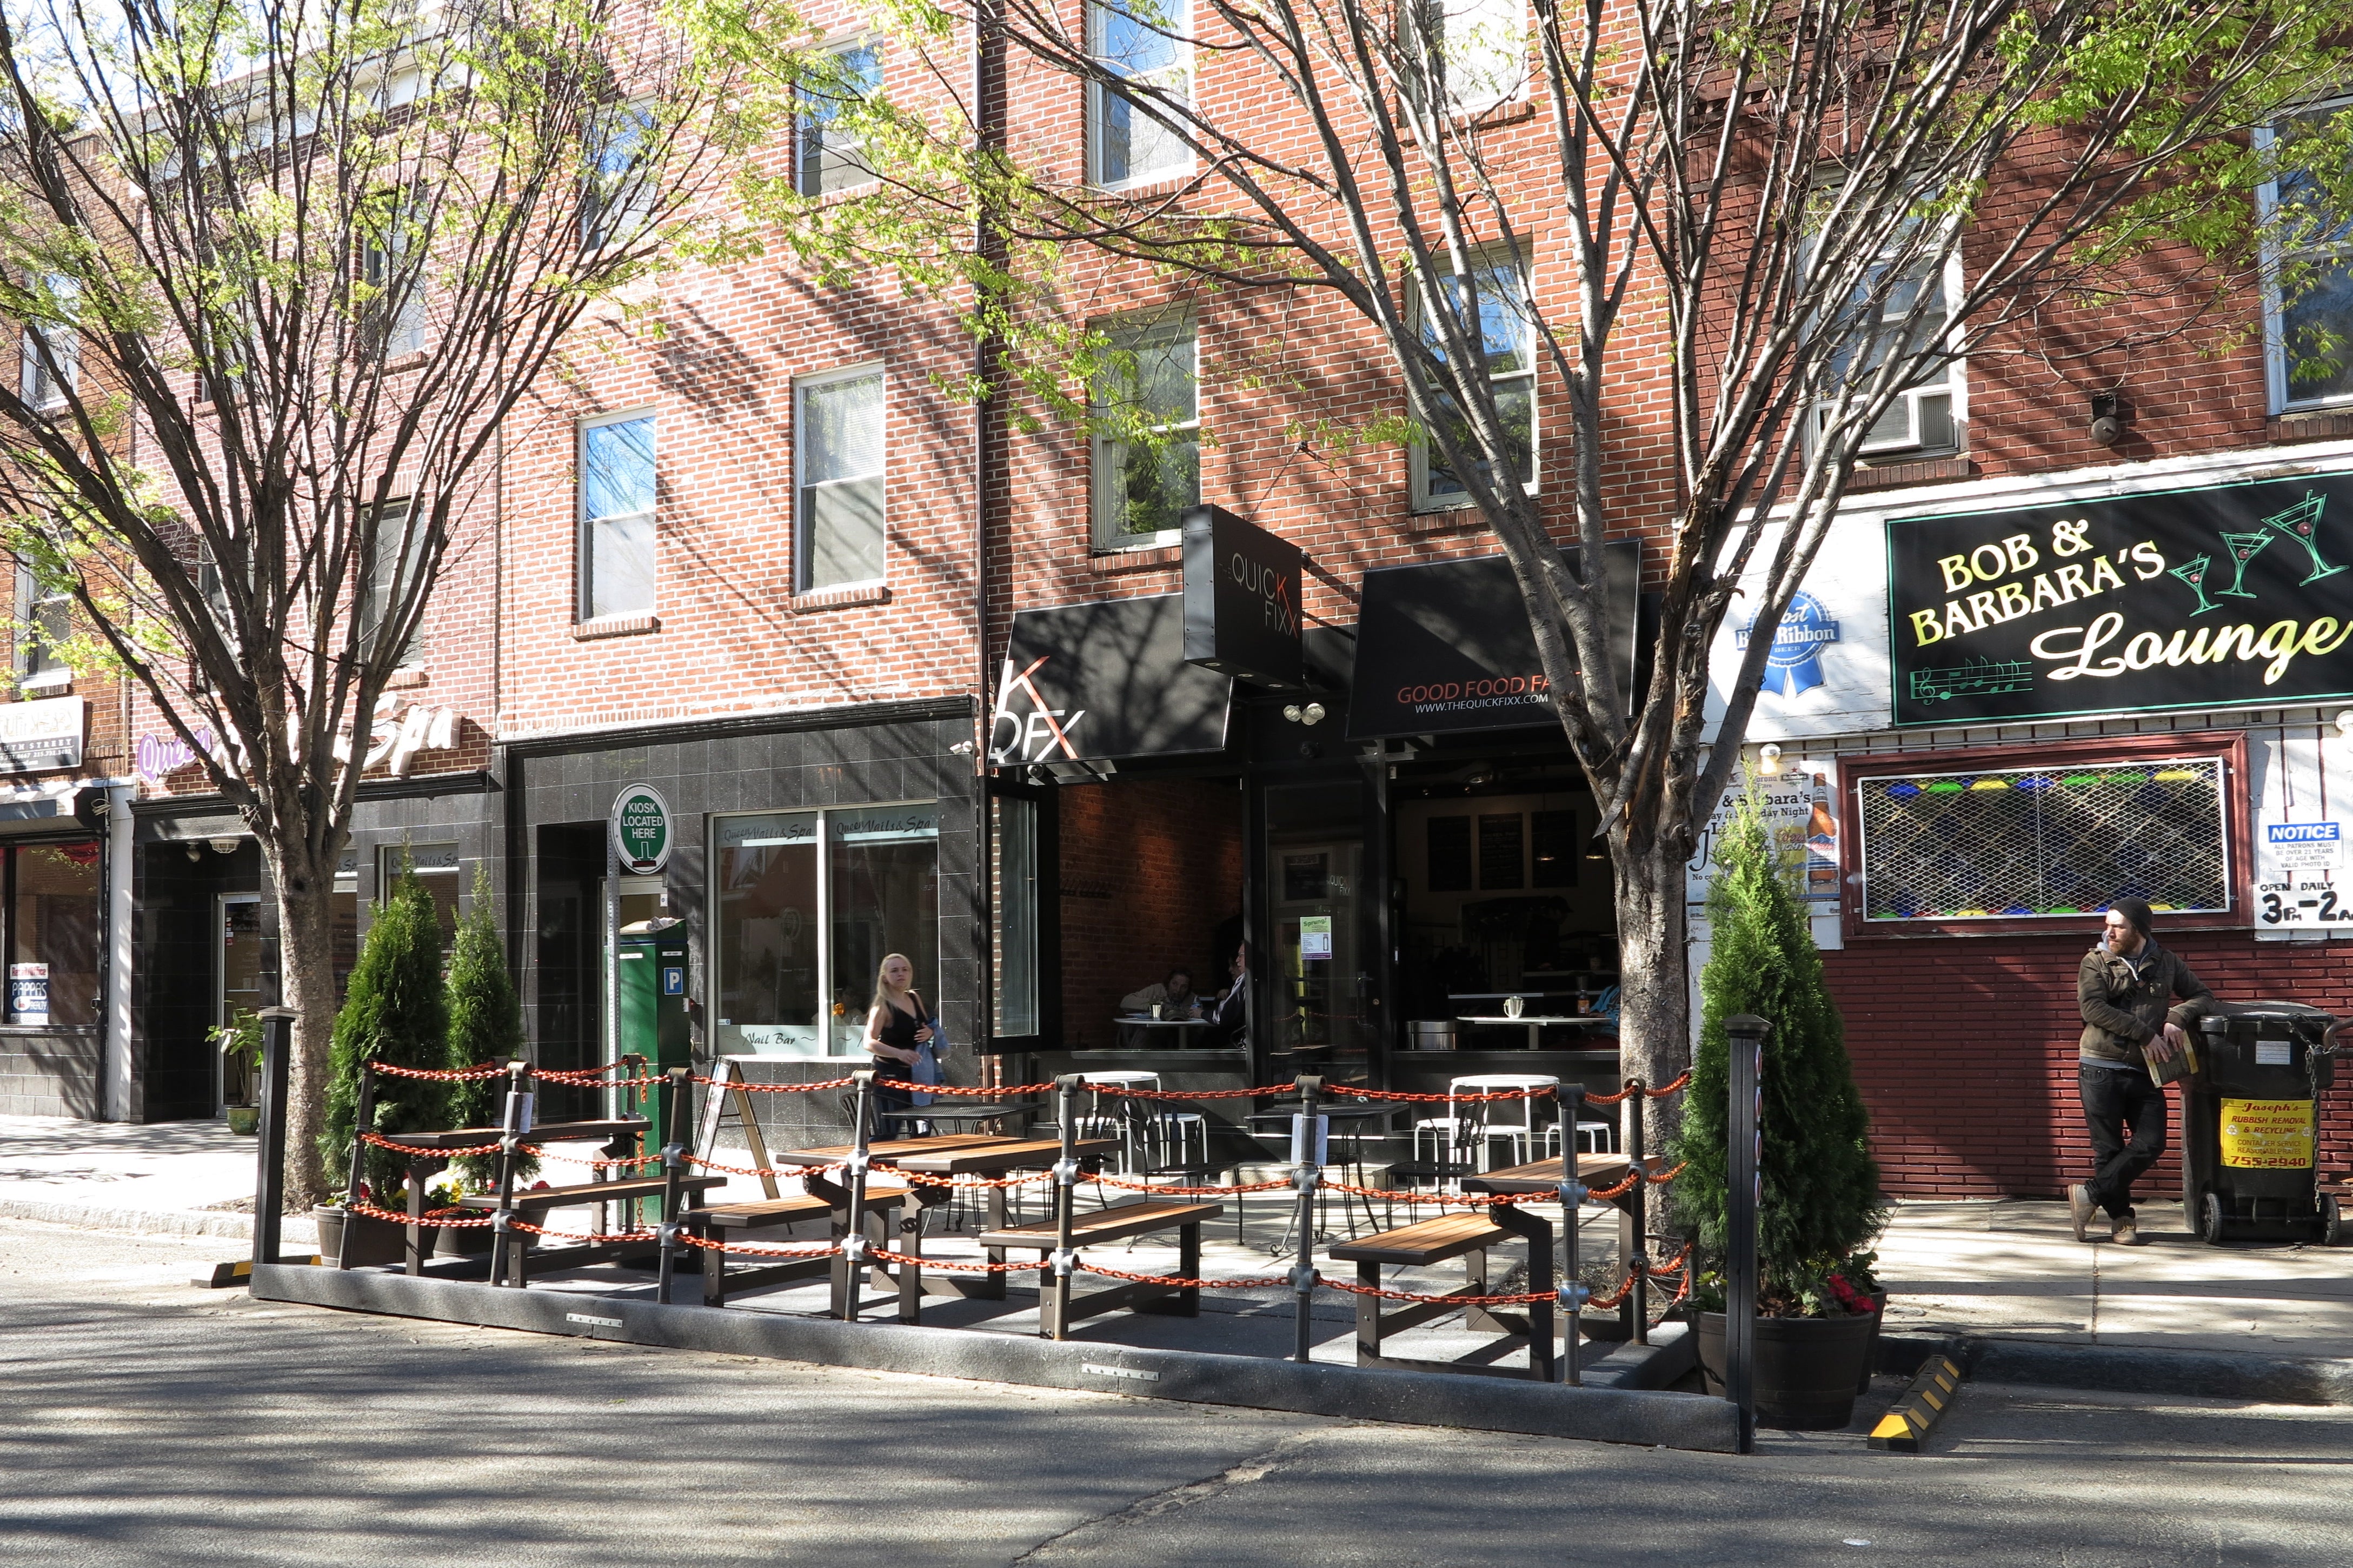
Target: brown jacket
2123 1011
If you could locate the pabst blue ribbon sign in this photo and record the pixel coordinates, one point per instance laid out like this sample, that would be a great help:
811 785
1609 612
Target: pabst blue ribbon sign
1795 664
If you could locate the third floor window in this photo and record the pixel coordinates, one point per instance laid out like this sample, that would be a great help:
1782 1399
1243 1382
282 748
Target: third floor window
2309 258
1142 42
616 517
826 153
838 457
1147 436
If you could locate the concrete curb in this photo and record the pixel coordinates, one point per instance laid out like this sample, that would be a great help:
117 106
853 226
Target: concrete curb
1423 1399
145 1222
2130 1369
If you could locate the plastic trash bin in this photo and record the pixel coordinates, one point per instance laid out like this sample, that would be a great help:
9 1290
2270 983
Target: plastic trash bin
2250 1125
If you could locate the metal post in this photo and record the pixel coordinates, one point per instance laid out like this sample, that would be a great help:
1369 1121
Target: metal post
1634 1226
515 1123
1054 1306
1307 1137
363 1122
673 1160
1743 1141
1572 1292
853 1244
269 1171
611 965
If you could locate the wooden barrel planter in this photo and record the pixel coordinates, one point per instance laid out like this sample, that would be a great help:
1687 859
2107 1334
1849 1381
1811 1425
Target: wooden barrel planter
374 1242
1806 1371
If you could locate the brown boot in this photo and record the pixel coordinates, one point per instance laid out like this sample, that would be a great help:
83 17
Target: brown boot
2080 1209
2128 1230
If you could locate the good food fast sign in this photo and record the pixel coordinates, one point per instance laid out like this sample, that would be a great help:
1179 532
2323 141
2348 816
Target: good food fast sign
2223 596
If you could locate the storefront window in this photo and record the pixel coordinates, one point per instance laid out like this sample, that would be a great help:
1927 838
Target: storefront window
53 928
1017 916
2051 841
804 894
436 866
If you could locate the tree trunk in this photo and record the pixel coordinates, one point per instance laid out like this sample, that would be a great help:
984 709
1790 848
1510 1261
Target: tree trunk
306 947
1653 987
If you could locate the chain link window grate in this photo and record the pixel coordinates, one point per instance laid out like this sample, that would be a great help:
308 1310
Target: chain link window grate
2044 842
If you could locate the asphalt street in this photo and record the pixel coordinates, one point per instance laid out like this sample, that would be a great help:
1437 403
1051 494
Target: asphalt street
150 1423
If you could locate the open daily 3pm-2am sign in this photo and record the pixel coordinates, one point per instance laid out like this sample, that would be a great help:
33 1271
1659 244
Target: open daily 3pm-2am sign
2223 596
641 829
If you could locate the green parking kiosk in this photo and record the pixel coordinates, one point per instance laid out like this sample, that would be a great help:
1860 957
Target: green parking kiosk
649 983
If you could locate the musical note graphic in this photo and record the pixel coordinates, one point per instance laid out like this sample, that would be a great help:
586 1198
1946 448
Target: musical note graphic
1978 678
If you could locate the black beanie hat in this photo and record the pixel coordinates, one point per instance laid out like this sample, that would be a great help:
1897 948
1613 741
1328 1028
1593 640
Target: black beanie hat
2144 919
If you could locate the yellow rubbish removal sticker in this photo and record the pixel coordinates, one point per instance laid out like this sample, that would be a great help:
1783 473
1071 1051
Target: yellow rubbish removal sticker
2267 1134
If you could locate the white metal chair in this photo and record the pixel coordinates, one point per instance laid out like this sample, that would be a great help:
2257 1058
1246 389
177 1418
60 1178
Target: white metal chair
1495 1116
1130 1120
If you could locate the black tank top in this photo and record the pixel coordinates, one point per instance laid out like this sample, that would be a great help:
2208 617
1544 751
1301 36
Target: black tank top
899 1029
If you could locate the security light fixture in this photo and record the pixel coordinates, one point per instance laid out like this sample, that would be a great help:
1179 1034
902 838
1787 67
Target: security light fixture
1769 757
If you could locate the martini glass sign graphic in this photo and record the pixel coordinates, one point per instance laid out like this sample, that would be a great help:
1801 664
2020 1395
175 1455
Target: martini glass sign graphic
2300 522
2244 547
2193 572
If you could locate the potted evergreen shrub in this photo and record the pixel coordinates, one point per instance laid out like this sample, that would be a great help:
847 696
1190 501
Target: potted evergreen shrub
485 1028
1818 1301
394 1012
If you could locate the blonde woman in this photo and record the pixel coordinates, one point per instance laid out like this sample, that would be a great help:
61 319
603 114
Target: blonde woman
896 1029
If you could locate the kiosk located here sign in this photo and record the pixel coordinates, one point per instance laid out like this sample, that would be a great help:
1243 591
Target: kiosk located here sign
641 827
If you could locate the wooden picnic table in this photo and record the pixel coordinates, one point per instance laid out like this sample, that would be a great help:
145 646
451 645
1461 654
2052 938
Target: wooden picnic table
943 1154
429 1154
1594 1171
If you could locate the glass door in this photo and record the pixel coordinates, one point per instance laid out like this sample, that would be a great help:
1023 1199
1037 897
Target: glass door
1323 1003
236 971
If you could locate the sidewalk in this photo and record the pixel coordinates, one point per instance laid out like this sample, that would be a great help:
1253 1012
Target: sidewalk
2003 1268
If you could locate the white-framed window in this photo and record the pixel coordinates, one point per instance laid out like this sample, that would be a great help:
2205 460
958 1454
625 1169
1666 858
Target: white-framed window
395 310
620 199
839 447
827 156
1479 48
44 621
1928 417
1491 303
1146 445
1145 43
617 516
50 353
391 577
2307 274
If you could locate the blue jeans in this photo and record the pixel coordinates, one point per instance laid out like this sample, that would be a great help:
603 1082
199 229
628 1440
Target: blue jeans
2114 1102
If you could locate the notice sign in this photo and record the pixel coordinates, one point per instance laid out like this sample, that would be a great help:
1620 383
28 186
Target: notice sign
641 827
2225 596
28 993
2304 844
1314 936
2267 1134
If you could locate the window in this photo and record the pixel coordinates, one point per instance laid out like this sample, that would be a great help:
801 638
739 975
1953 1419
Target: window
805 904
2049 842
827 157
44 621
1503 852
1017 916
1491 304
437 869
616 517
50 364
838 440
1924 416
1142 42
619 200
1147 441
1479 48
393 578
53 896
2309 258
394 310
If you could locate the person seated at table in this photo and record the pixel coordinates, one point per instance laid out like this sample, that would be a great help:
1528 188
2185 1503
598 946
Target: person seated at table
1174 996
1229 1013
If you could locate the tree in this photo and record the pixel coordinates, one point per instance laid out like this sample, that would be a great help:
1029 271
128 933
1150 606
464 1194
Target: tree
283 268
1738 204
395 1013
485 1024
1821 1199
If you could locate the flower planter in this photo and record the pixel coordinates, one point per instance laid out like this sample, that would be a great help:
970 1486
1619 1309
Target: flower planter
1806 1369
1871 1351
376 1242
244 1121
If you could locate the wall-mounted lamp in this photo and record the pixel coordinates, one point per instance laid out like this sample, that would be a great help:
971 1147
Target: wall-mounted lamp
961 748
2108 415
1310 714
223 845
1768 758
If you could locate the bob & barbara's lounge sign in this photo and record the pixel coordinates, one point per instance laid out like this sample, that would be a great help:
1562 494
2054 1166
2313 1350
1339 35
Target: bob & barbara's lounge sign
2222 596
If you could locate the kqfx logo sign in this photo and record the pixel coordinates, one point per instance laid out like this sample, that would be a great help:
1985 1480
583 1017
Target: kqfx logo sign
1037 736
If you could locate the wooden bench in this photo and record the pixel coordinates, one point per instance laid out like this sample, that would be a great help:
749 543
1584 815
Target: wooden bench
1467 1235
539 1200
733 1222
1058 1310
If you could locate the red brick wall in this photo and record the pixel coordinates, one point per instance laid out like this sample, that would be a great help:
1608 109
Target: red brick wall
1149 871
1966 1052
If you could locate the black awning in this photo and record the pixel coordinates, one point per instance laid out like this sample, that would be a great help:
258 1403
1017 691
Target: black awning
1099 681
1446 647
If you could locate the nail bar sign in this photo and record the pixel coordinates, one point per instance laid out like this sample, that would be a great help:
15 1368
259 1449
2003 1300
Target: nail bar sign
2224 596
